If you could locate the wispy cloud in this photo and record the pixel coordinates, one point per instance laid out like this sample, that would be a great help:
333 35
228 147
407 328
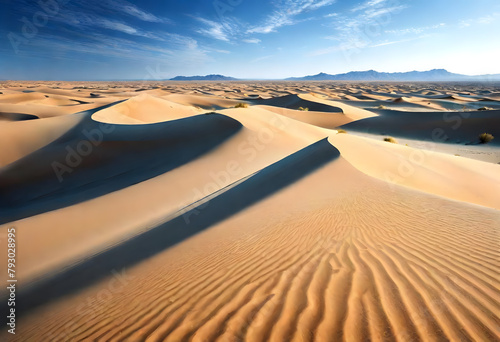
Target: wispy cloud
362 26
84 21
252 40
286 13
117 26
324 51
124 7
180 48
223 30
359 45
87 28
134 11
485 20
415 30
368 4
260 59
396 41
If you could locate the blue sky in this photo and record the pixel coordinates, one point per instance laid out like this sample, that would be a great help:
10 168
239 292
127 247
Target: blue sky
124 39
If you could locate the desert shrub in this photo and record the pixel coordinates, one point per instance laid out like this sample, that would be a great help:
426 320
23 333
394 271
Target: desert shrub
340 130
485 138
304 109
391 140
382 107
241 105
485 108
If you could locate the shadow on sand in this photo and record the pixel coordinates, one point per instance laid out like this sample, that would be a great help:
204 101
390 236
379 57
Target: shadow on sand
93 159
447 127
255 188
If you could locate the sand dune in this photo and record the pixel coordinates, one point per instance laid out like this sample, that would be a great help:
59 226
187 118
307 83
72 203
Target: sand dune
16 117
428 171
144 109
320 119
205 102
173 216
296 102
25 137
94 159
457 127
276 282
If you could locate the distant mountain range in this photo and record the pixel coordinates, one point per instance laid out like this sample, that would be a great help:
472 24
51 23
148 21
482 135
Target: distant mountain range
435 75
203 78
372 75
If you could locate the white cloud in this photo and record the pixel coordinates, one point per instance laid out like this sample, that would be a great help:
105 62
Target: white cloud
325 51
132 10
415 30
252 40
368 4
223 30
259 59
362 26
286 13
359 44
377 12
485 20
117 26
396 41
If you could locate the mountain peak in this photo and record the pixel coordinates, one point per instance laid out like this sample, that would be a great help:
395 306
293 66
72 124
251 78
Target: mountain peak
211 77
373 75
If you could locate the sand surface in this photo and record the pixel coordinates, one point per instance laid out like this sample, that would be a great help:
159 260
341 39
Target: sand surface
157 211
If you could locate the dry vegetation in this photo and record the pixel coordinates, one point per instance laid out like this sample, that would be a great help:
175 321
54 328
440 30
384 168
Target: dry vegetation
391 140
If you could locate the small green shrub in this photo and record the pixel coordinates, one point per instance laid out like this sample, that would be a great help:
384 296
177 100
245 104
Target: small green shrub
485 138
304 109
241 105
381 107
340 130
391 140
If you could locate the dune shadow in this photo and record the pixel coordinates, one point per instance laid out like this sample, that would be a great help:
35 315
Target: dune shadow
94 158
16 116
293 101
187 223
445 127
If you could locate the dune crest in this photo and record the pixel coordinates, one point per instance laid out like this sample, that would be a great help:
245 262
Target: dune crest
144 108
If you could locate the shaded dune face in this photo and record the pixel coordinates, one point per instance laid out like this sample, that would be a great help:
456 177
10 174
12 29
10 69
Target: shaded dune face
17 117
295 102
459 127
192 220
94 158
